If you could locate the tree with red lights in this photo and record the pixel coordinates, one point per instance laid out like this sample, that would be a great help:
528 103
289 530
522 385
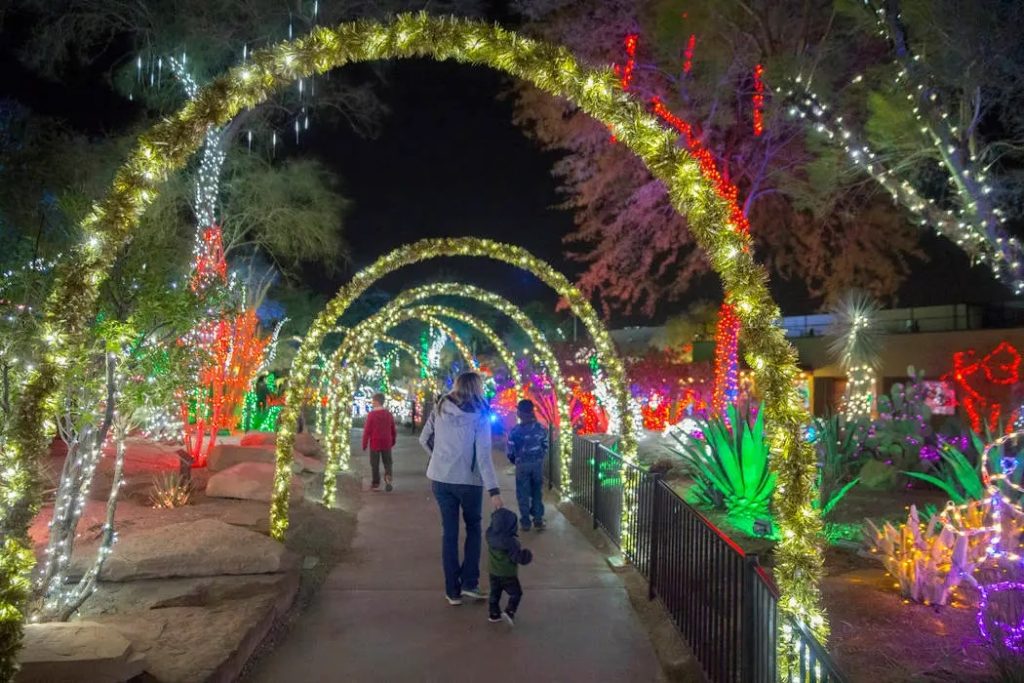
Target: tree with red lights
709 67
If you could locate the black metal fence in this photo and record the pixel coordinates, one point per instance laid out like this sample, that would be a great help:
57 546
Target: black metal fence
721 601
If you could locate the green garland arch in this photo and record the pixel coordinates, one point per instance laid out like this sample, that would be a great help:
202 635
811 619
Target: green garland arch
395 312
169 145
504 353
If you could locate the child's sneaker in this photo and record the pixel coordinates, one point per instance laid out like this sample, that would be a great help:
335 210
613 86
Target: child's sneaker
454 602
509 617
494 619
387 485
524 526
472 593
539 524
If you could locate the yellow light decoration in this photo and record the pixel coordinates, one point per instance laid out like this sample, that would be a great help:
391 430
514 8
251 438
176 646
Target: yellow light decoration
395 312
350 355
169 145
436 311
456 340
404 346
342 384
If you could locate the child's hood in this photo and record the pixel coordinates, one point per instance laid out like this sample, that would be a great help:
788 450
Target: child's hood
501 533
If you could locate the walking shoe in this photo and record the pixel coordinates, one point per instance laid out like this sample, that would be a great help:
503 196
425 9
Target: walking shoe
474 593
375 487
388 487
539 524
509 617
525 526
494 619
454 602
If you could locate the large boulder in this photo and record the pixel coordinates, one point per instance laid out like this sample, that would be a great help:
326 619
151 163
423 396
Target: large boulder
209 644
307 445
205 547
248 481
302 463
224 456
76 651
127 597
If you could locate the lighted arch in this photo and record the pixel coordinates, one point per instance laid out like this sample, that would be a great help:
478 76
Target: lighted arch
328 414
377 325
404 346
348 358
339 422
436 311
325 376
169 144
339 450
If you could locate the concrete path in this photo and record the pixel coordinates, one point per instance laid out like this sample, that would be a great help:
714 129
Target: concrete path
383 616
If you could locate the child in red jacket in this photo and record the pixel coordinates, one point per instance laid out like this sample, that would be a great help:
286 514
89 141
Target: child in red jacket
380 435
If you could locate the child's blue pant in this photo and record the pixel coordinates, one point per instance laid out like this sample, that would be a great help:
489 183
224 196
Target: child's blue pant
530 491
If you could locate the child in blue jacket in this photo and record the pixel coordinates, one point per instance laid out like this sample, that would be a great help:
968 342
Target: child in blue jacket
527 445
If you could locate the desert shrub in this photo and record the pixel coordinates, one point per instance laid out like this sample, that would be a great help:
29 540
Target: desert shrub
170 490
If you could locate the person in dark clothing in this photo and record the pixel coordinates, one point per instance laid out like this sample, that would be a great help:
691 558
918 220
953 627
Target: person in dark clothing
505 555
527 445
380 435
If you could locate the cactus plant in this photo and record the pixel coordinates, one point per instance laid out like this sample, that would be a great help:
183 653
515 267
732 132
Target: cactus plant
729 463
928 561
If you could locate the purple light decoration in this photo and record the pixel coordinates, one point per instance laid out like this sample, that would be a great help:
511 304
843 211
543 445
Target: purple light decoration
930 453
1012 635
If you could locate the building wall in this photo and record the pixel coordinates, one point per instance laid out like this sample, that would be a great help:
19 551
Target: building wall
930 352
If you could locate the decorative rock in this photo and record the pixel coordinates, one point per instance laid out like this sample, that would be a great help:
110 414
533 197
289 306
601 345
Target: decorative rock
205 547
224 456
127 597
305 464
307 445
259 439
248 481
877 475
76 651
190 644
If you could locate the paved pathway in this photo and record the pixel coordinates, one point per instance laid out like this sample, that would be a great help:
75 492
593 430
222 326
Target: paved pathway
382 616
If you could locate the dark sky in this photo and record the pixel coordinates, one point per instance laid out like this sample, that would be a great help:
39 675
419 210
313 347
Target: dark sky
450 162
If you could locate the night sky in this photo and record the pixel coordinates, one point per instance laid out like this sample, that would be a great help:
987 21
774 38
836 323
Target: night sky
450 162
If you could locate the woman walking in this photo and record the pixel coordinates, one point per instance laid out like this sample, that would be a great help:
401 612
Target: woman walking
457 436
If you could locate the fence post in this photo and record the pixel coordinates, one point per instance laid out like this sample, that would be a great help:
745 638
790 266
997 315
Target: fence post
655 533
597 479
748 629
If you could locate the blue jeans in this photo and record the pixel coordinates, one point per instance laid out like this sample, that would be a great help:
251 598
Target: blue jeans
530 491
451 497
